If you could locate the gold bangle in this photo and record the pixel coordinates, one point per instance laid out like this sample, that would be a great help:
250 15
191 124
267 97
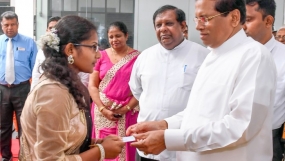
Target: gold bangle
129 108
101 108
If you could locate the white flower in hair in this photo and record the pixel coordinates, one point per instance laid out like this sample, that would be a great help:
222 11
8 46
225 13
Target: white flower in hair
50 39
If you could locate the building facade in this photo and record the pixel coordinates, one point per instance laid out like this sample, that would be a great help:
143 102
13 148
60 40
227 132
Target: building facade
136 14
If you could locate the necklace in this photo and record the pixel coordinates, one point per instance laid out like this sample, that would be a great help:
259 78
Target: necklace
113 51
117 56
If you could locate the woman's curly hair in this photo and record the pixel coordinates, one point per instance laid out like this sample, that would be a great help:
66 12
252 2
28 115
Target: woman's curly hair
70 29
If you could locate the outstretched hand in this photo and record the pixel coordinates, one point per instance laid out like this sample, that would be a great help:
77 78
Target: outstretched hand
151 142
113 146
143 127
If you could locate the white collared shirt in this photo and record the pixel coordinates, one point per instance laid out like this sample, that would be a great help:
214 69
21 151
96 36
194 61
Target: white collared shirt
37 70
162 80
228 115
277 50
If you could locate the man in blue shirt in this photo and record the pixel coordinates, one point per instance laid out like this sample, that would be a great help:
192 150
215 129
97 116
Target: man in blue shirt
17 59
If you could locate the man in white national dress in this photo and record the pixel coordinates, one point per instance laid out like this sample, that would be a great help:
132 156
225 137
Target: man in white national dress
228 115
163 75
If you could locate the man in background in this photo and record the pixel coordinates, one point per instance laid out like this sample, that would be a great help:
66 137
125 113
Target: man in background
37 71
280 35
17 59
163 75
260 17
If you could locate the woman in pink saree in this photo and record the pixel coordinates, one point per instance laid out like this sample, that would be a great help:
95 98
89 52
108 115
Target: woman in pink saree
114 107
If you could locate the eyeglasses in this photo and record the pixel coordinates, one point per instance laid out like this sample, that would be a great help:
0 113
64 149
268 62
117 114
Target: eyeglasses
280 37
94 47
205 20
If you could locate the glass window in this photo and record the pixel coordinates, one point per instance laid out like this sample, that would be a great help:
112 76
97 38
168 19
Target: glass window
98 5
100 12
84 6
113 6
127 6
56 5
70 5
99 21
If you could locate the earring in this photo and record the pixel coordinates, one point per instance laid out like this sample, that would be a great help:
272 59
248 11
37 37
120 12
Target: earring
70 59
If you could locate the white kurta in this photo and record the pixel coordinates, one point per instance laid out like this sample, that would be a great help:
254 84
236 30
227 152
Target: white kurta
228 116
37 71
277 50
162 80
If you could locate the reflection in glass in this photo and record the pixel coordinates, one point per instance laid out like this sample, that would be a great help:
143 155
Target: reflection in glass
127 6
100 12
98 5
70 5
113 6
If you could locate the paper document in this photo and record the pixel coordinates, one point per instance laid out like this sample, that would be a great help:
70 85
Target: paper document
128 139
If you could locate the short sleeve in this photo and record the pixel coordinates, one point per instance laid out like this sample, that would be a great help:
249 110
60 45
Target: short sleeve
99 61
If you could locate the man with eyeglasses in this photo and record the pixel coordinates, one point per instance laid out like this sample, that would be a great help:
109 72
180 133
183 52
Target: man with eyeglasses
228 115
280 35
17 59
260 17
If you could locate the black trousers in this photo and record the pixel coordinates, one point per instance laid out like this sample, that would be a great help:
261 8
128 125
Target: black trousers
278 145
11 99
139 158
146 159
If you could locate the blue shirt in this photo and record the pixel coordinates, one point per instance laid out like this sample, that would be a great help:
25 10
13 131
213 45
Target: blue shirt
25 51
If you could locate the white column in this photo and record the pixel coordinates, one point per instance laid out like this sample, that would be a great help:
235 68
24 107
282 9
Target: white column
144 33
25 11
279 14
12 3
42 17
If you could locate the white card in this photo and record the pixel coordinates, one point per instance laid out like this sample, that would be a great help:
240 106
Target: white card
128 139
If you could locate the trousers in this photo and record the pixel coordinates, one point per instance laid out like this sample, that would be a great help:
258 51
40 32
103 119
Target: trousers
12 98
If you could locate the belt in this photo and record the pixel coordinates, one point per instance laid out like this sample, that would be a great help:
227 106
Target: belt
15 85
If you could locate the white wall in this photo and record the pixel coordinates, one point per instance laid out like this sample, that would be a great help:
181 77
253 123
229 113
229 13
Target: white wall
25 11
144 34
279 14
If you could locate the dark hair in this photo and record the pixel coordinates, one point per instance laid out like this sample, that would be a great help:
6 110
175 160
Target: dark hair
56 18
230 5
120 25
9 15
267 7
70 29
180 15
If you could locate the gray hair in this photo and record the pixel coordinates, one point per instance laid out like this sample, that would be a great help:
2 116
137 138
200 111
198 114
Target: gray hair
9 15
282 28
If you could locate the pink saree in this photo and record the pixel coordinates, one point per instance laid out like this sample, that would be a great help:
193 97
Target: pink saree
114 88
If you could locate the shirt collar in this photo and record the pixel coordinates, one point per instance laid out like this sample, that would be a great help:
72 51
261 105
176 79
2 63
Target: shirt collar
15 38
230 43
181 45
270 44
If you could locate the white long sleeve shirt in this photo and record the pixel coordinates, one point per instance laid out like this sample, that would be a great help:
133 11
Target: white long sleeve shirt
37 71
228 115
277 50
162 80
